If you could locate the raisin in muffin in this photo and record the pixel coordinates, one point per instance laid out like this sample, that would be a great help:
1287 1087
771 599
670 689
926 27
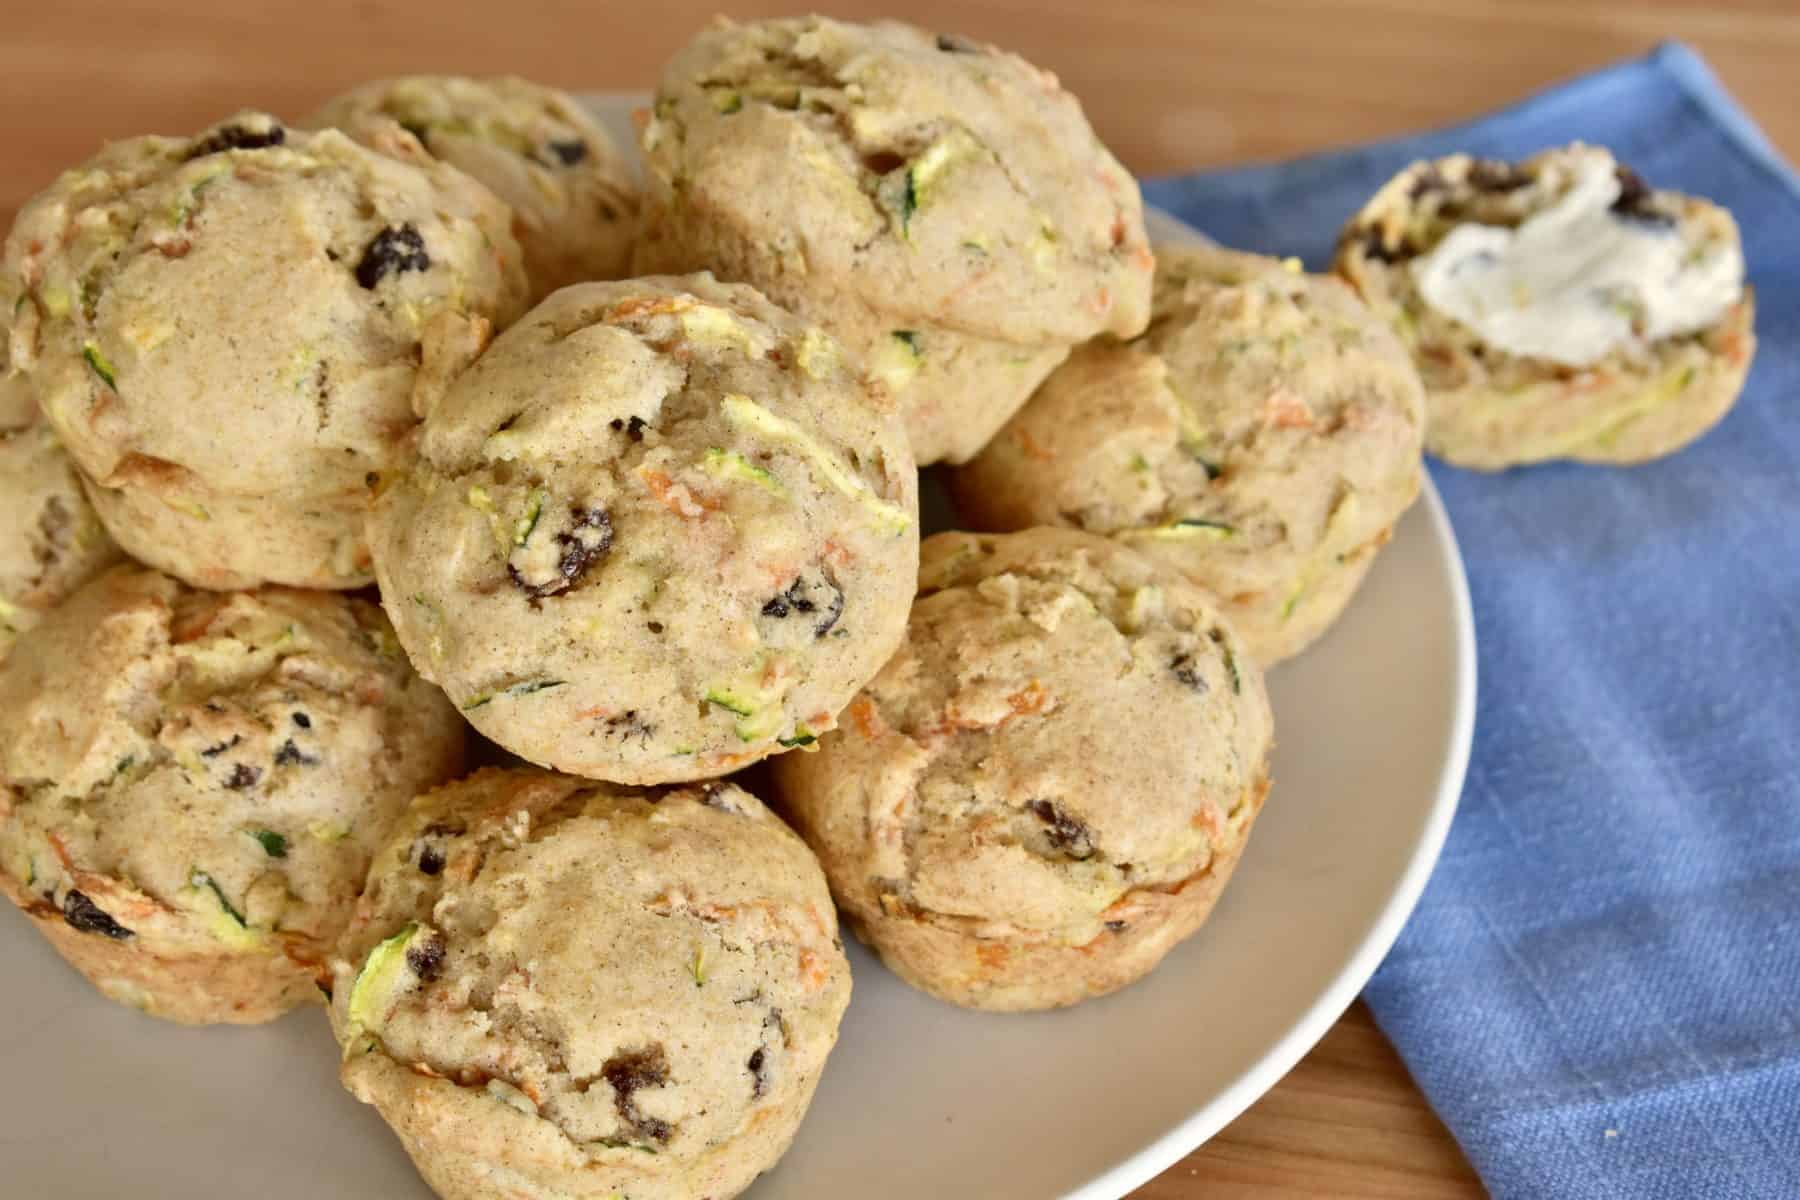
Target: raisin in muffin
1557 308
1262 437
51 542
192 785
1048 786
558 989
227 333
941 206
660 530
572 194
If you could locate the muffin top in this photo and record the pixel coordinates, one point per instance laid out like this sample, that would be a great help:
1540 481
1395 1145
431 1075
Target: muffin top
1065 725
940 179
210 769
660 529
571 191
1265 424
180 294
640 977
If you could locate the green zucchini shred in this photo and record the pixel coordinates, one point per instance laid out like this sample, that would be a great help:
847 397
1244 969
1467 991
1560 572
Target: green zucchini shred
97 361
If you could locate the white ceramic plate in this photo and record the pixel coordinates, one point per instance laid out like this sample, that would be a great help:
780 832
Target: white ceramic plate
920 1099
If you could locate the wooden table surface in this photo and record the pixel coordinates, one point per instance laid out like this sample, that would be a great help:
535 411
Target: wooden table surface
1168 85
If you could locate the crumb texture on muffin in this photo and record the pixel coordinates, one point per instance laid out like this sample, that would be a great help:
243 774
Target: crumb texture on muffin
566 988
1262 437
942 206
1044 789
192 784
572 194
227 333
660 530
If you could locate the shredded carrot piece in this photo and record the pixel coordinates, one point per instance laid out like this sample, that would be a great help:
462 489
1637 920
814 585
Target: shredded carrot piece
1031 446
62 851
1032 700
647 306
589 714
195 629
992 955
1100 301
675 497
812 971
868 720
837 554
1284 410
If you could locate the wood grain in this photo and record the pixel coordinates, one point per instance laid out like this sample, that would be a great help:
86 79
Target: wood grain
1169 85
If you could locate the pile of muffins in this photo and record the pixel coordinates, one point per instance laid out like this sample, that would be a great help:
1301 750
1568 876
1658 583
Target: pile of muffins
634 470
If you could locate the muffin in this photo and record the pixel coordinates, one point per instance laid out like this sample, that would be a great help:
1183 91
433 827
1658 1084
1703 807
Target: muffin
660 530
940 206
1049 784
227 332
192 785
1262 437
573 198
1557 308
557 989
50 542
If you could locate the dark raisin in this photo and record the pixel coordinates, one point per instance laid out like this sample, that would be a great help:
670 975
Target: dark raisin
236 137
242 776
88 917
426 958
628 725
570 152
290 754
802 596
832 613
1117 926
220 748
759 1083
431 861
1637 202
1375 247
302 720
654 626
1489 175
634 429
587 540
1065 832
394 250
951 43
630 1072
1426 182
1187 672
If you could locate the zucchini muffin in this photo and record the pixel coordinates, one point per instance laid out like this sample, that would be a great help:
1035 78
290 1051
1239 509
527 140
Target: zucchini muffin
1048 786
573 198
557 989
660 530
227 332
942 207
1557 308
1262 437
192 785
50 542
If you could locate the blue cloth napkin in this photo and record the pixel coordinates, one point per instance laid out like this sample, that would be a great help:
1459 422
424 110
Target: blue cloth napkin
1600 991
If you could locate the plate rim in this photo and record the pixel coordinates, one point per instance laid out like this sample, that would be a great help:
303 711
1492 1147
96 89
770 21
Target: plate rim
1335 998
